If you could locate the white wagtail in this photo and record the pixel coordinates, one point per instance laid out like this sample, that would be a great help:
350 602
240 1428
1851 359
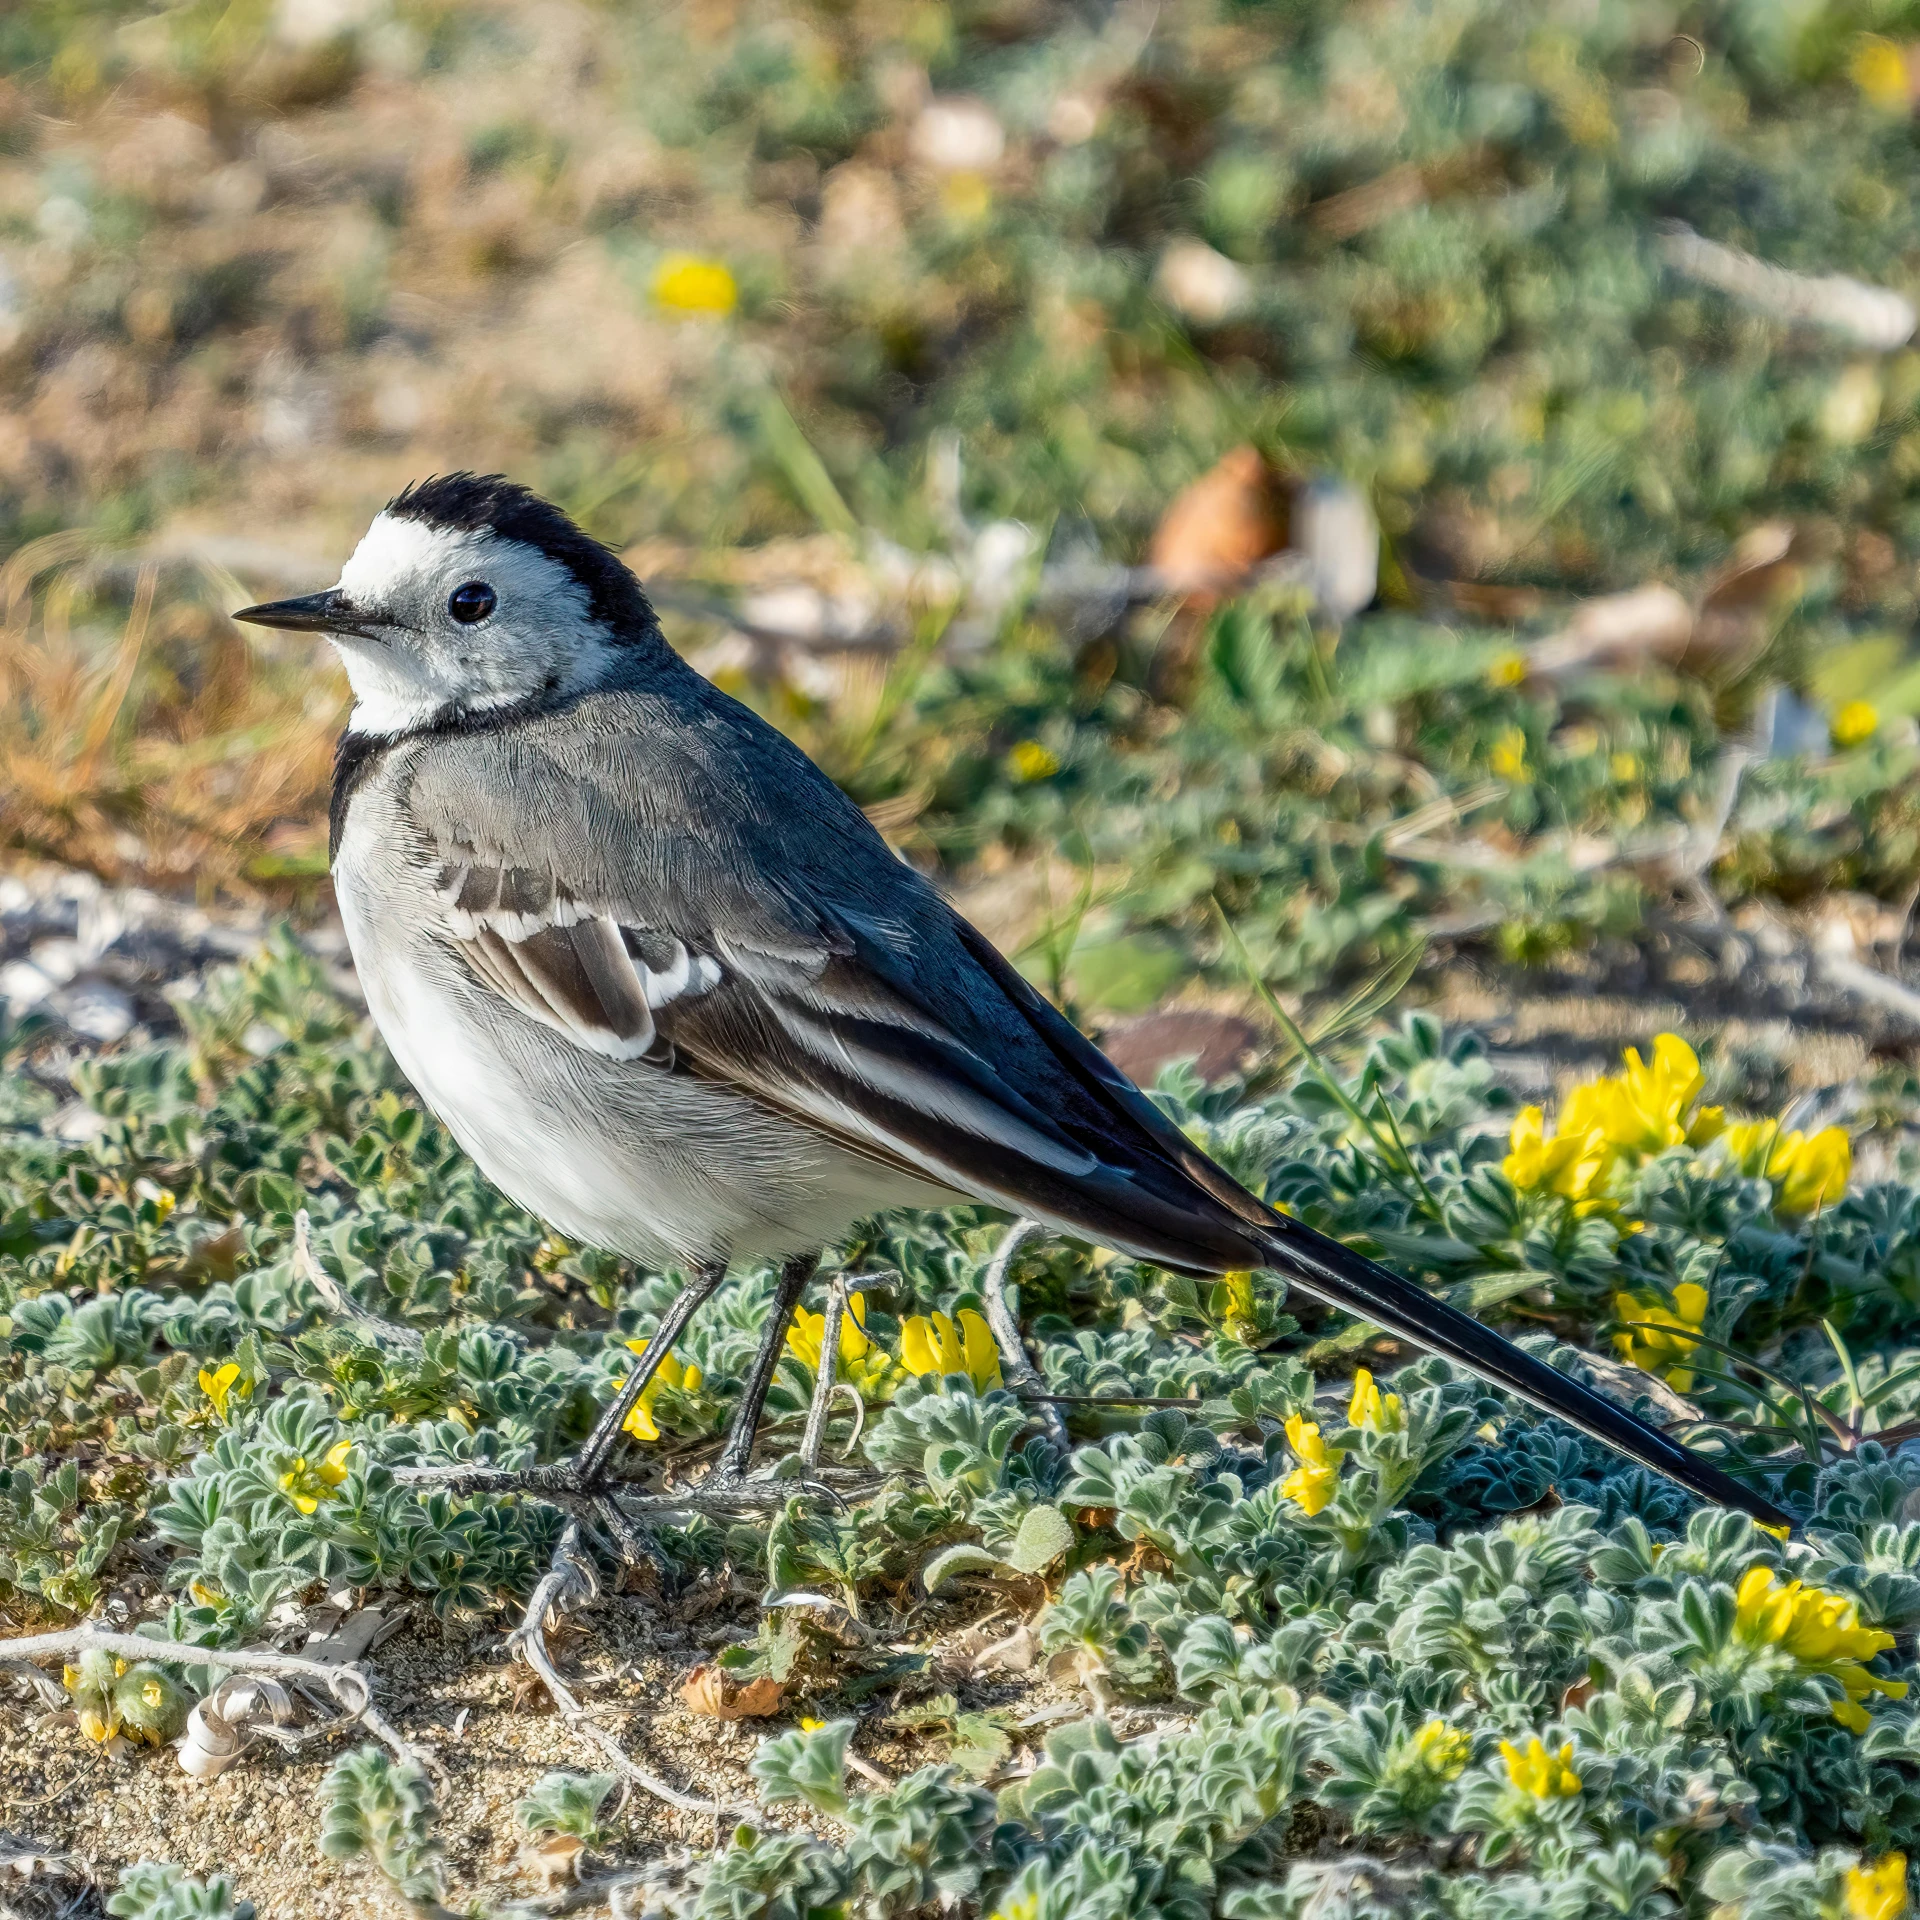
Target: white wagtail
674 994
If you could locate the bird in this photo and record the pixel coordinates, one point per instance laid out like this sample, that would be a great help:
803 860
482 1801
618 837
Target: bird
673 993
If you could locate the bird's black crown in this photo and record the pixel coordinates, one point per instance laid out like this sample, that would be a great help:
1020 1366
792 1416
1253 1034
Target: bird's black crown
491 503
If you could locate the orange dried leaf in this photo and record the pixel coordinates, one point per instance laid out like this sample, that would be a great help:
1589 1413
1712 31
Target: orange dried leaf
708 1690
1221 525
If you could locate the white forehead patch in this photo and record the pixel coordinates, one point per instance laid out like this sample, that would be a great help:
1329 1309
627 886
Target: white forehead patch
399 558
395 550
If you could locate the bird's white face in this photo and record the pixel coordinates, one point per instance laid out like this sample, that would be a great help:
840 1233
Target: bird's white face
431 620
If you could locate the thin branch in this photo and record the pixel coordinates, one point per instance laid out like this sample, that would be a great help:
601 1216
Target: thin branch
821 1404
134 1646
341 1304
1019 1370
571 1582
1855 976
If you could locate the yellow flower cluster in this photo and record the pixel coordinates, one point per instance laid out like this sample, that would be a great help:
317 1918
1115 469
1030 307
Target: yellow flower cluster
861 1361
1808 1171
937 1346
110 1698
1442 1750
1877 1892
1310 1485
1662 1347
681 1376
1370 1408
1821 1631
91 1685
1650 1106
1544 1775
307 1486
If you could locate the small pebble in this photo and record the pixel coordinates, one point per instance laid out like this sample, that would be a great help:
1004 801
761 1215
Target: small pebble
97 1010
23 985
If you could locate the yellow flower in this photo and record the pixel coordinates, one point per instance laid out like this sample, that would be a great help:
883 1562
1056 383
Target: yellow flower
809 1329
1642 1108
671 1372
1230 1301
1855 724
686 283
1811 1173
1807 1173
1547 1776
1821 1631
1442 1750
1878 1892
1027 1907
1879 69
307 1486
1030 761
1625 768
1573 1165
1507 670
965 198
1508 756
1310 1485
937 1346
97 1725
1369 1407
220 1385
1662 1348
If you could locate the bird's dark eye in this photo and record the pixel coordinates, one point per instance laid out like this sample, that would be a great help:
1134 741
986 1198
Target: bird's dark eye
472 602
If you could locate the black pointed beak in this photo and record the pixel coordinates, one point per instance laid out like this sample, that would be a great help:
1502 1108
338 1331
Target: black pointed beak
329 612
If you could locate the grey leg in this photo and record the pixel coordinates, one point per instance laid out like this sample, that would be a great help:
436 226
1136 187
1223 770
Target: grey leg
738 1452
591 1460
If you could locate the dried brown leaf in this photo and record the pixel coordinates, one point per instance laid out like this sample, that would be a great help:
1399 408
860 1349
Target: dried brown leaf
1221 525
711 1691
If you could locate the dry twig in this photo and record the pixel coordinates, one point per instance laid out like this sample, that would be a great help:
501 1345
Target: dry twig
571 1582
349 1686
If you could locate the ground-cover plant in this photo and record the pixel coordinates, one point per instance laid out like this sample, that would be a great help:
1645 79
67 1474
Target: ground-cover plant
1491 1665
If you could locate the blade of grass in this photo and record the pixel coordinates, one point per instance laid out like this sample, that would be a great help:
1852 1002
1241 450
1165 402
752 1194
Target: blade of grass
806 472
1405 1168
113 696
1847 1372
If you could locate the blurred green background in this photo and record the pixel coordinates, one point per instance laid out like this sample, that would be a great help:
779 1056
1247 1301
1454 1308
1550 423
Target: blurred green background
886 333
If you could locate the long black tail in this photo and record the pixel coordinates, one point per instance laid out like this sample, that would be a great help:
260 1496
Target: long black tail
1368 1291
1160 1198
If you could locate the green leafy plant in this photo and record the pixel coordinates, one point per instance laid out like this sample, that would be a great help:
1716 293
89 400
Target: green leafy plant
383 1809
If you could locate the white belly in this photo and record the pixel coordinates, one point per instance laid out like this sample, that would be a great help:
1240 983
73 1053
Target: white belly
662 1168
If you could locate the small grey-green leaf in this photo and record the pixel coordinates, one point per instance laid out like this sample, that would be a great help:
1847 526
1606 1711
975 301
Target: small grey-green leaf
1045 1534
965 1558
978 1746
